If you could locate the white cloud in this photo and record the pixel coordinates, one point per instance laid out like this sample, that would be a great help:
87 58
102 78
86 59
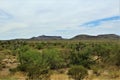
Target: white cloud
37 17
10 26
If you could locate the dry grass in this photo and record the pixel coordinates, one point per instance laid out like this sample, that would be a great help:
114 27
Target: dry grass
60 77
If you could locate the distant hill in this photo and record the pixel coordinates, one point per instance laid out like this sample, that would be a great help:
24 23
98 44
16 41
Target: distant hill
103 36
78 37
44 37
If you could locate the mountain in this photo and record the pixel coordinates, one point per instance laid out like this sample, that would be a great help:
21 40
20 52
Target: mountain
103 36
44 37
78 37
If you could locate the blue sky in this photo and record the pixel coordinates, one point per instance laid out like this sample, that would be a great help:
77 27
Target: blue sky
66 18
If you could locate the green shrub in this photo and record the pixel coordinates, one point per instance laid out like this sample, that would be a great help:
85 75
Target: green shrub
32 62
53 58
82 57
77 72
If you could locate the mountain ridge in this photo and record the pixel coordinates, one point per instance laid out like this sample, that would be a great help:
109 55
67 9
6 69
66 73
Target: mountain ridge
44 37
77 37
101 36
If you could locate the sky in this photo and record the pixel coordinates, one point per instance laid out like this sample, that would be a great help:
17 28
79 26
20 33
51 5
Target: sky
66 18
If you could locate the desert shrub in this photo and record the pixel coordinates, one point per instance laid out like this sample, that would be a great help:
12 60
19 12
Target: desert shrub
108 53
114 57
77 72
53 58
82 57
39 46
32 62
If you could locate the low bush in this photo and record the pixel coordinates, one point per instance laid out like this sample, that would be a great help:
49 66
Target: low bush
77 72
